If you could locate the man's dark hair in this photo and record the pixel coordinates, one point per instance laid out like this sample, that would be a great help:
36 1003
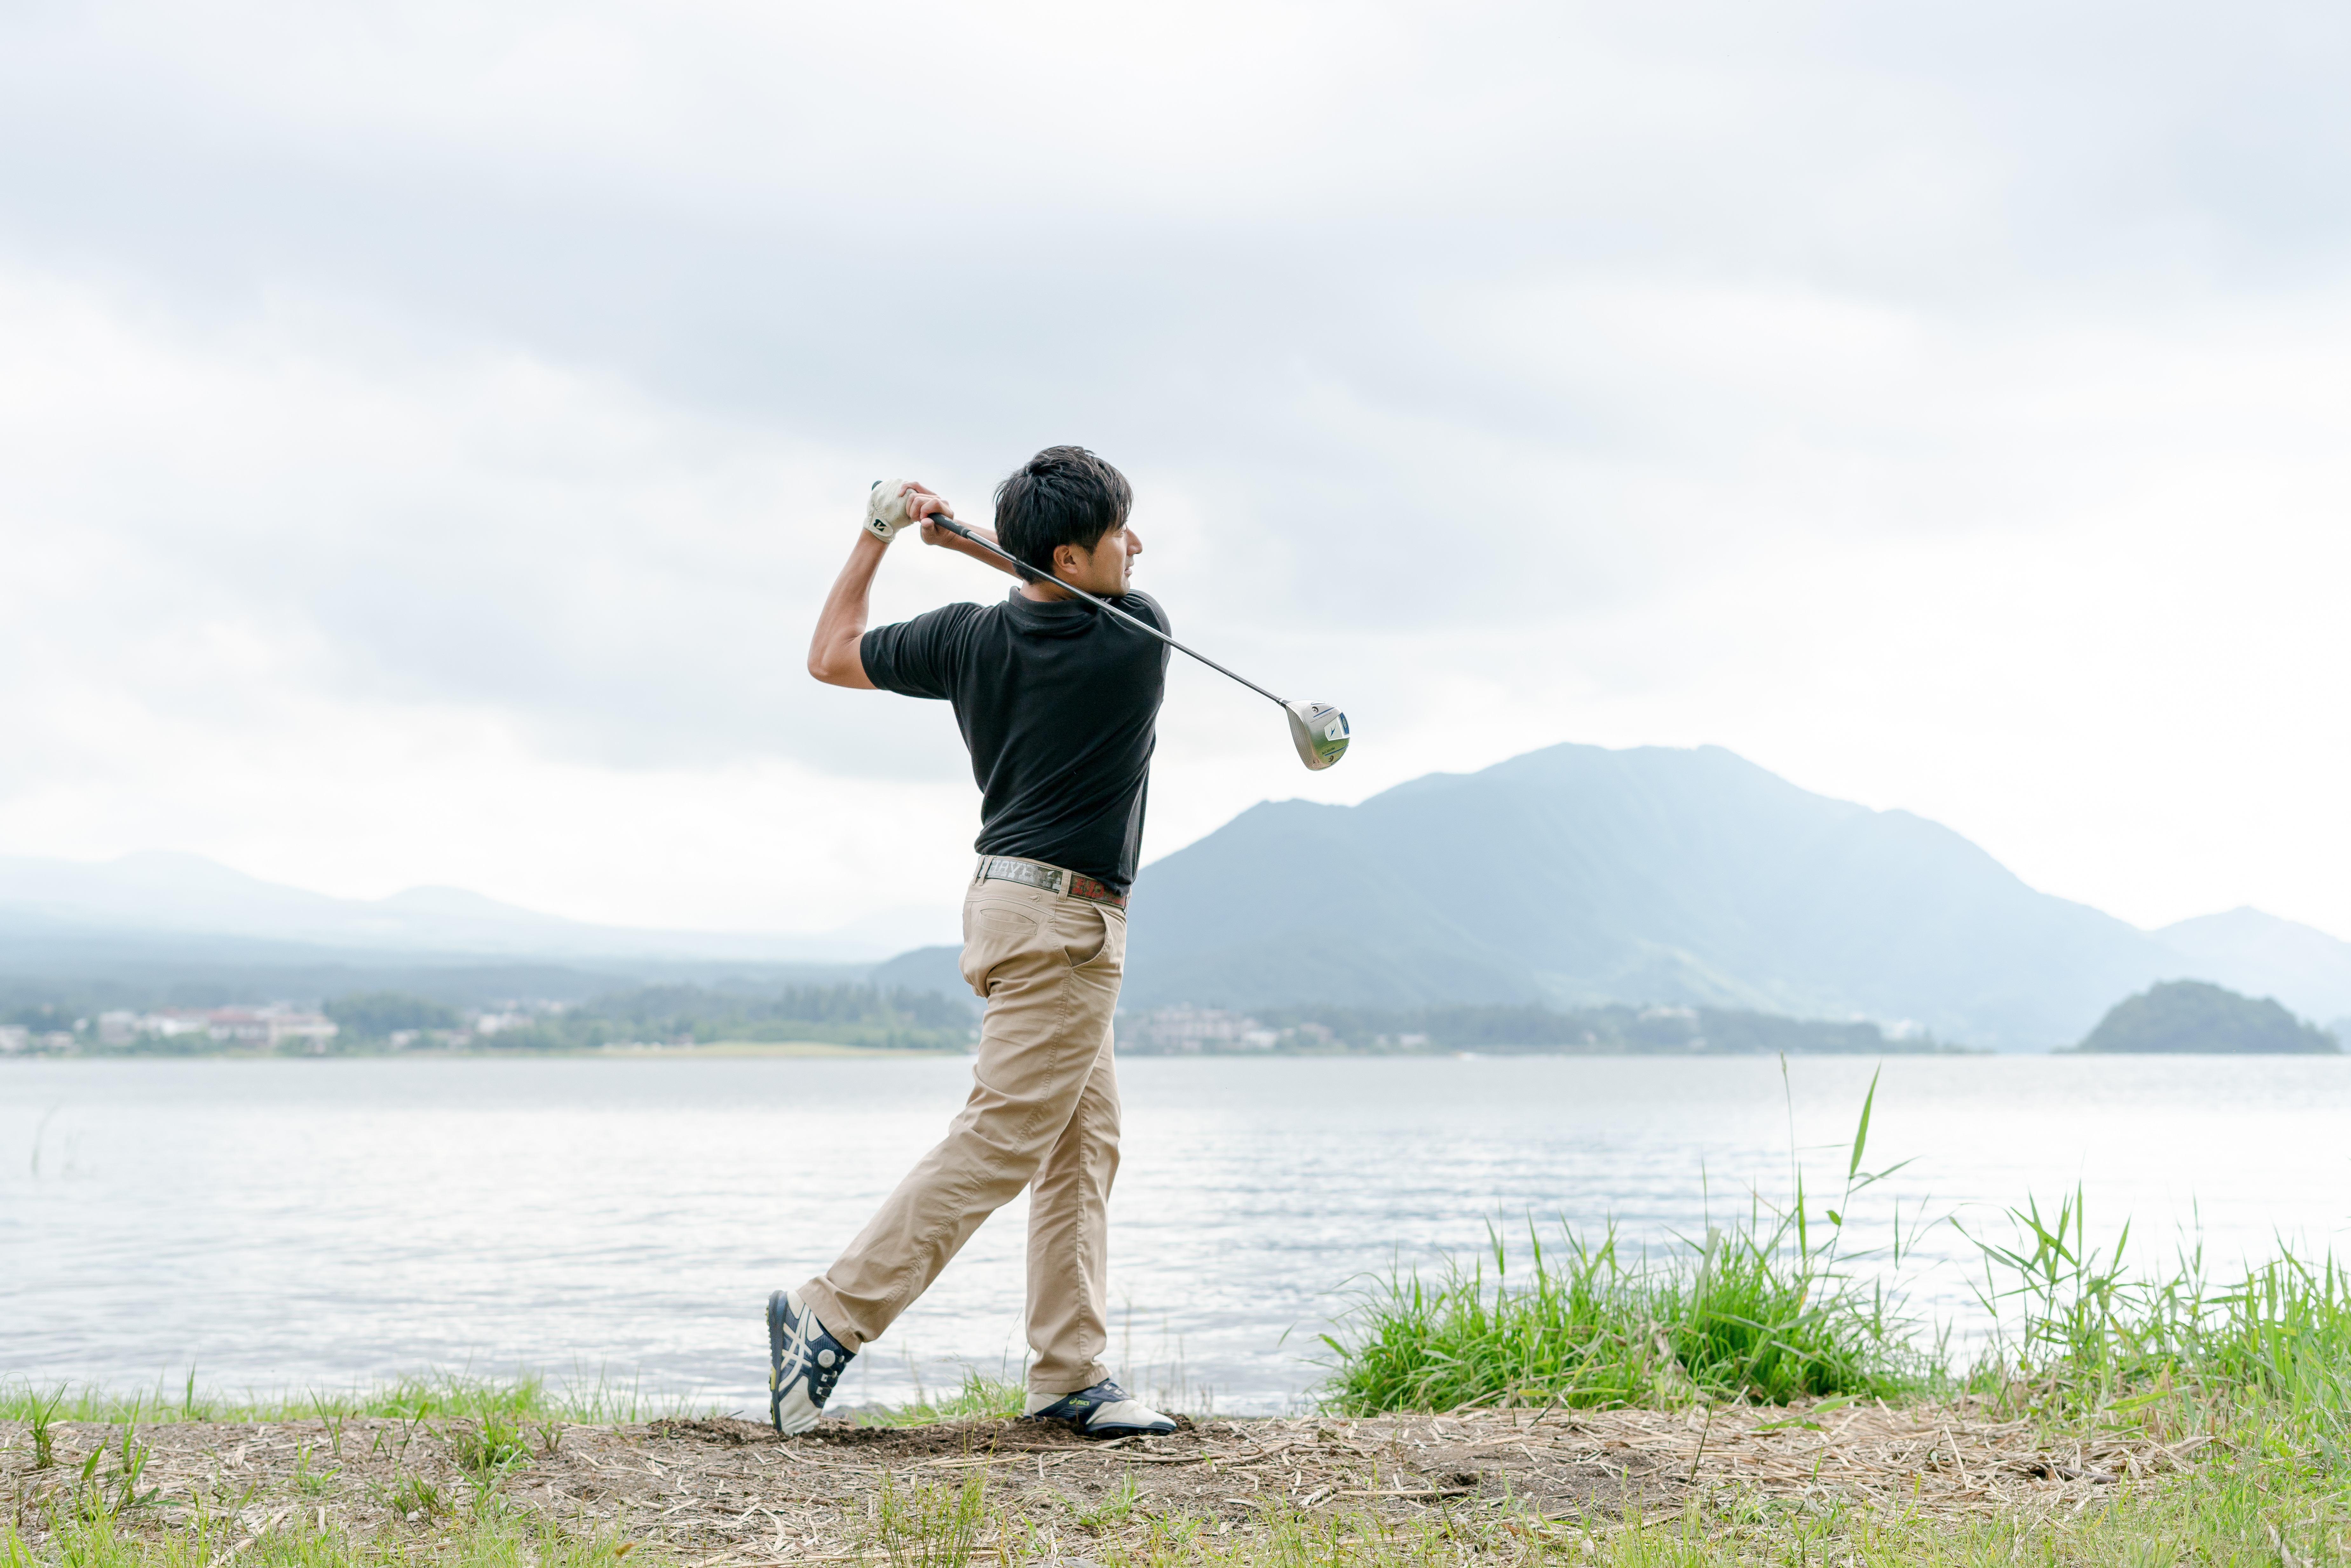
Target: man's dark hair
1063 496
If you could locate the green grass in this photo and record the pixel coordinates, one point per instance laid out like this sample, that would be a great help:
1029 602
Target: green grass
929 1526
1774 1308
1766 1310
438 1394
494 1538
503 1407
1748 1314
977 1399
2238 1519
2082 1333
2256 1510
2256 1367
2239 1525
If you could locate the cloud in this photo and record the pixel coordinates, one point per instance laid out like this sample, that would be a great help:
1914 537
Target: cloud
416 405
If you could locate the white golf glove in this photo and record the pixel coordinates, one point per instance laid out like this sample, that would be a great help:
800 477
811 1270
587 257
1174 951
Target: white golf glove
885 508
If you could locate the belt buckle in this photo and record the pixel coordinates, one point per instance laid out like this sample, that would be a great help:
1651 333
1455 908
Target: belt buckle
1026 873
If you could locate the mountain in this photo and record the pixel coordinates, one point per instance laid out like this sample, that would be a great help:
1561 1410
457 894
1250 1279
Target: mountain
164 904
2266 957
1571 877
936 969
2190 1016
84 978
1577 876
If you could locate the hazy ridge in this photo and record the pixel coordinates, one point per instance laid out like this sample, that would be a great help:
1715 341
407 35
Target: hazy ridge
1577 875
1573 877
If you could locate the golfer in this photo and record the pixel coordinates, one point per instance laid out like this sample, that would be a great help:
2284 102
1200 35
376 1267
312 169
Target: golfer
1056 702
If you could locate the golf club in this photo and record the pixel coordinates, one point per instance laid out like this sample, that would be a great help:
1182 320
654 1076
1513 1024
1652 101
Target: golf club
1318 730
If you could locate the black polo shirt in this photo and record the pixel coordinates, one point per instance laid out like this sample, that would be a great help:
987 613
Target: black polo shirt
1058 704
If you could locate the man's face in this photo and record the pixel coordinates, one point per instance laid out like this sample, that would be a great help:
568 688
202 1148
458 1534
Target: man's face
1106 569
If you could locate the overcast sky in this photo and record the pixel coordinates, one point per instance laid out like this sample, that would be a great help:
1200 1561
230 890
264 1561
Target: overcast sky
426 431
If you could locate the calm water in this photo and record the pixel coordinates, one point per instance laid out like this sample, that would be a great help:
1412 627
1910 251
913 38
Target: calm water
318 1223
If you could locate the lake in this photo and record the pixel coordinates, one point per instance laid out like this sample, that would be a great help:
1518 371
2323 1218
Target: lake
289 1224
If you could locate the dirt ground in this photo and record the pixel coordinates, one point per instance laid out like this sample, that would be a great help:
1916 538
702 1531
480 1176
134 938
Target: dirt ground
721 1489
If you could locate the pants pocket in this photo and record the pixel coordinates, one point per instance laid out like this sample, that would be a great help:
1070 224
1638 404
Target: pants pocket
1084 932
1091 934
992 932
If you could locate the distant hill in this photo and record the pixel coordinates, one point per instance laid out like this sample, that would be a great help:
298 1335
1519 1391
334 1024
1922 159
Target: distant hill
2265 956
2182 1016
936 969
87 977
156 902
1571 878
1578 876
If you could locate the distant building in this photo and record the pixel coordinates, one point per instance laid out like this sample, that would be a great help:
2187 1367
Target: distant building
272 1026
267 1028
121 1028
13 1038
1185 1028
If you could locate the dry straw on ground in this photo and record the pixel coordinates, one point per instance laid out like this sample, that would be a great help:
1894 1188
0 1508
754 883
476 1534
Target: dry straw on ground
722 1491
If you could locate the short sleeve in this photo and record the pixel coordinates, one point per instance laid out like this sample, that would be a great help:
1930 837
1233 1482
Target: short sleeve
918 658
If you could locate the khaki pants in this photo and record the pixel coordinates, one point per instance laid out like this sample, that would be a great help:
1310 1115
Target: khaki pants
1043 1114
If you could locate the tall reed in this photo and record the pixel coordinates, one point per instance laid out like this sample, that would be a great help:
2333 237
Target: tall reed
1765 1309
1745 1313
2077 1325
1774 1308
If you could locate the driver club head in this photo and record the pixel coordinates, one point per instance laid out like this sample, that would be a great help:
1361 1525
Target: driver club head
1320 731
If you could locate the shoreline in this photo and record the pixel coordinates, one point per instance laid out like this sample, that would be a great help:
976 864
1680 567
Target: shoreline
750 1049
712 1050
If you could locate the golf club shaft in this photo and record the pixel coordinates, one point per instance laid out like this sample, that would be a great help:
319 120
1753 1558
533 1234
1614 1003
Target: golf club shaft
1025 570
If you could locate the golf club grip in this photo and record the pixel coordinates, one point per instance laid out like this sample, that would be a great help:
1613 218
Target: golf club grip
1026 570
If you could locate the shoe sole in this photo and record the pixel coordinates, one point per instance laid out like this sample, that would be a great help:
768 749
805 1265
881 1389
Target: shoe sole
776 1361
1104 1433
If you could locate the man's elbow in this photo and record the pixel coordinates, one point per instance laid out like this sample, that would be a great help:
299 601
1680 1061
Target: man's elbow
836 668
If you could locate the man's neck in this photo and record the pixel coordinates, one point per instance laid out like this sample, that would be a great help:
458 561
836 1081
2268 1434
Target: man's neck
1050 591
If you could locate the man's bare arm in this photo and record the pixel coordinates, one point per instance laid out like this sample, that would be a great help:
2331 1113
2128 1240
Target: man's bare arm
833 656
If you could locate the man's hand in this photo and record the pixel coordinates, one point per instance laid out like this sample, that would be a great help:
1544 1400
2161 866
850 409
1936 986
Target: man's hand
893 505
932 507
834 652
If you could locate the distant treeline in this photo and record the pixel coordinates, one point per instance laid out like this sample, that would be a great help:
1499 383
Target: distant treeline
39 1016
1604 1030
900 1018
887 1017
890 1017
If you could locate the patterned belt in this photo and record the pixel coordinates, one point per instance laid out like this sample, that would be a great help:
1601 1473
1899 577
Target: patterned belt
1051 878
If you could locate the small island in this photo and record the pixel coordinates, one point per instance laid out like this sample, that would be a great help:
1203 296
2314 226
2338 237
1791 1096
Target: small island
2184 1015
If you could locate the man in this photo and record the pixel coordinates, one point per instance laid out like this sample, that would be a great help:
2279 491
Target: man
1056 702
